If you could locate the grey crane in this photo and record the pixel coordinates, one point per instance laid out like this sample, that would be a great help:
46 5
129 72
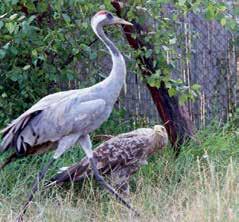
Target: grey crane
65 118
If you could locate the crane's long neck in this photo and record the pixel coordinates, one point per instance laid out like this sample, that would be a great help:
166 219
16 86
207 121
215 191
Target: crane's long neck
114 82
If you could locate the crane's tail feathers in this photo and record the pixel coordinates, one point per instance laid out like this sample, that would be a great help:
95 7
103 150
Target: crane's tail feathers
12 131
9 133
8 160
6 142
5 130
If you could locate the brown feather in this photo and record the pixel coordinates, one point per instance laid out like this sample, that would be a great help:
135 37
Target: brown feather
118 157
39 149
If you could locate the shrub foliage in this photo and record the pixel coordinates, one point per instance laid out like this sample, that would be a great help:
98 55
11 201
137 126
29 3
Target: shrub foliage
41 42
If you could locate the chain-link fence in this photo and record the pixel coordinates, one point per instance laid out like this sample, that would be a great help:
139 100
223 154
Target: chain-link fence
212 64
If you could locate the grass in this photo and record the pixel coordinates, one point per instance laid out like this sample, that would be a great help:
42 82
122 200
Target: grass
202 184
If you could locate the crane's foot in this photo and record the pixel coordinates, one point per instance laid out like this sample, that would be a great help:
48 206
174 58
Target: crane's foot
19 218
105 185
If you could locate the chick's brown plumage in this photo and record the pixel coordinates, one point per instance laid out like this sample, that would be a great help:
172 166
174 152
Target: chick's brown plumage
119 157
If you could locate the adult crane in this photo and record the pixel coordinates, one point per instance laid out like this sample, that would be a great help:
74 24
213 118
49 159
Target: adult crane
65 118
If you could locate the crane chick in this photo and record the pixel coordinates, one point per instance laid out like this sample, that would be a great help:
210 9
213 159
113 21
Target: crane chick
118 158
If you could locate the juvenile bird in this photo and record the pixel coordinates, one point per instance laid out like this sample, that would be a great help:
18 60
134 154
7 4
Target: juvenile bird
118 158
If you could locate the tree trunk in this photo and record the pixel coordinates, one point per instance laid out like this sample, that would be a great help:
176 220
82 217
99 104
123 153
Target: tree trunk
175 117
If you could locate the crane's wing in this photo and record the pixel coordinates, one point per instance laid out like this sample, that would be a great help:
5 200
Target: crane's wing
121 152
36 108
15 127
52 122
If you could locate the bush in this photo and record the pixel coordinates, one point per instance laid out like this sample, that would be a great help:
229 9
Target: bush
39 45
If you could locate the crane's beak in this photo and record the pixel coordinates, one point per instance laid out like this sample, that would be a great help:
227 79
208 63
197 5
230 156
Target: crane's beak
121 21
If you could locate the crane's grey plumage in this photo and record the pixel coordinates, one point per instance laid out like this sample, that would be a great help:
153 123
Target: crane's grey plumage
118 158
67 118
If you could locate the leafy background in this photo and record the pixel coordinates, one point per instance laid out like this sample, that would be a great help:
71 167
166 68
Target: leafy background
43 42
39 44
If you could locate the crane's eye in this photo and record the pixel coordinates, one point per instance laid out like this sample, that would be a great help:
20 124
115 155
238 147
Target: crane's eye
109 16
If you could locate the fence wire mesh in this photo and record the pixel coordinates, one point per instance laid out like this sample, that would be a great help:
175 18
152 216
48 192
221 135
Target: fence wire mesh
212 64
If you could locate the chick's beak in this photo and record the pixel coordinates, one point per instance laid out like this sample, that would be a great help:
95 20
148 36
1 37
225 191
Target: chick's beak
121 21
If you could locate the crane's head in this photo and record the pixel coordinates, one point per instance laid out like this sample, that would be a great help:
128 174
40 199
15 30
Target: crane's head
106 18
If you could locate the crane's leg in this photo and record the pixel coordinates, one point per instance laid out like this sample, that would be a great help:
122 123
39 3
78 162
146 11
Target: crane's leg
85 142
64 144
8 160
35 186
120 180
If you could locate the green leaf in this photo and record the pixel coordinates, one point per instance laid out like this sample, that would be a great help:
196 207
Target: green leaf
2 53
93 55
183 99
1 24
66 18
75 51
2 16
26 67
172 41
181 2
6 46
11 26
13 50
42 6
31 19
21 18
148 53
15 74
222 7
171 92
14 2
31 7
25 27
85 25
232 24
12 17
70 76
165 48
210 12
196 87
4 95
223 21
